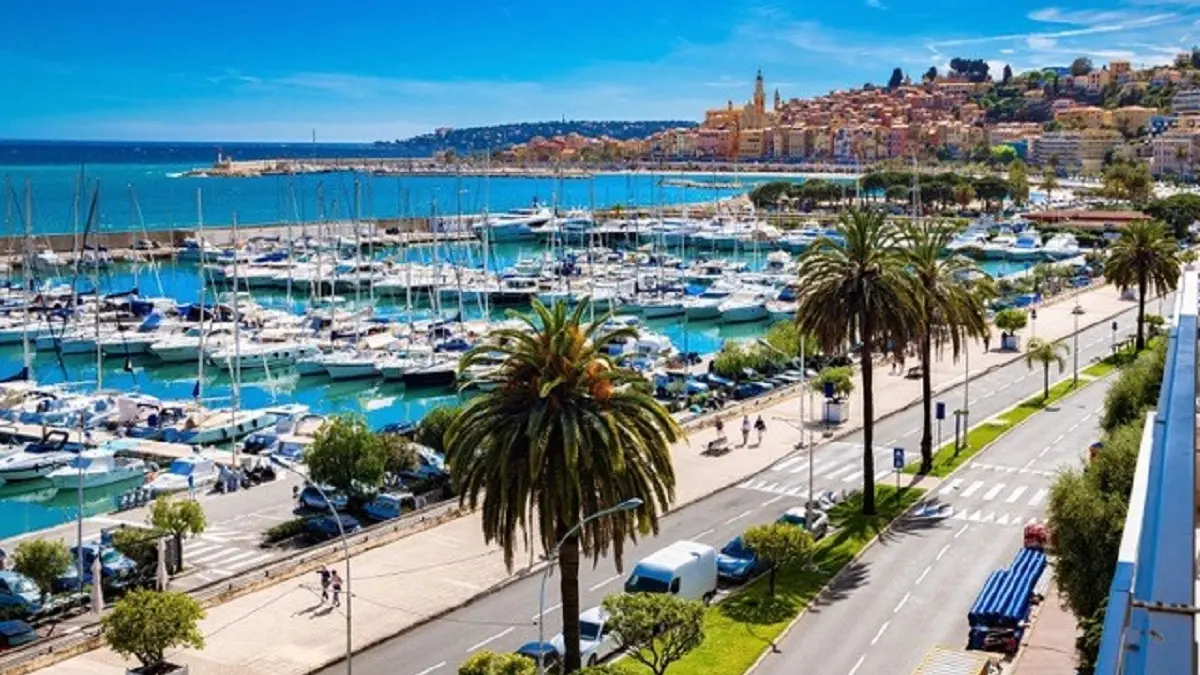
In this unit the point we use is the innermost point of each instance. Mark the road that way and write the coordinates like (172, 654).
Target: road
(229, 545)
(506, 619)
(912, 590)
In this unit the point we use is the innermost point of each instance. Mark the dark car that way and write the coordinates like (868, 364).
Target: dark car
(117, 570)
(311, 498)
(324, 528)
(543, 652)
(15, 633)
(737, 562)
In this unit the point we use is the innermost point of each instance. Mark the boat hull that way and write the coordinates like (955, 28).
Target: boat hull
(745, 314)
(351, 371)
(65, 481)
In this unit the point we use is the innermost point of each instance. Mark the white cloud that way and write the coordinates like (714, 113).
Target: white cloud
(1039, 43)
(875, 4)
(1008, 51)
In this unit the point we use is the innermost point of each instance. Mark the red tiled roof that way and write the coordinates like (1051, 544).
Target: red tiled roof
(1082, 215)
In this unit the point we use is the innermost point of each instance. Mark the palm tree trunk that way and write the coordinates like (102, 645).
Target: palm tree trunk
(1046, 381)
(568, 566)
(868, 412)
(1141, 336)
(926, 403)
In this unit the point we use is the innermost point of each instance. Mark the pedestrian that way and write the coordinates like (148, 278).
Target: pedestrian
(745, 430)
(987, 339)
(325, 577)
(336, 585)
(761, 427)
(720, 428)
(191, 487)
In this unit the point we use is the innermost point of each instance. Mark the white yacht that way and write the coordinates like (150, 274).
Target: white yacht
(263, 354)
(202, 471)
(185, 347)
(744, 306)
(658, 308)
(219, 424)
(353, 365)
(1028, 246)
(95, 468)
(781, 310)
(1062, 246)
(37, 460)
(997, 248)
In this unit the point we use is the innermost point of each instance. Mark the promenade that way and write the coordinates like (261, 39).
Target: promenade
(282, 629)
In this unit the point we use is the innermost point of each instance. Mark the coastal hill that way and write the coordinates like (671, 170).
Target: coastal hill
(499, 137)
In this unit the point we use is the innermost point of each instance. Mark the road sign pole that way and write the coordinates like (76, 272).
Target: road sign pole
(898, 464)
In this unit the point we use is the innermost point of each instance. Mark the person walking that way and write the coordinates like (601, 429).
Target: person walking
(326, 579)
(745, 430)
(761, 427)
(720, 428)
(191, 487)
(336, 585)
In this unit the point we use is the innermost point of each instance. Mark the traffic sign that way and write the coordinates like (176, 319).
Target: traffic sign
(898, 458)
(940, 411)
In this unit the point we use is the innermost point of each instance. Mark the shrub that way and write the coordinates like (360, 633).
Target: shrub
(43, 561)
(431, 430)
(842, 378)
(145, 624)
(494, 663)
(285, 530)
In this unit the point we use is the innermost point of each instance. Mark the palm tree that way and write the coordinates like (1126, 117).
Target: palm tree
(1146, 257)
(948, 310)
(1046, 353)
(1049, 182)
(858, 288)
(964, 194)
(564, 433)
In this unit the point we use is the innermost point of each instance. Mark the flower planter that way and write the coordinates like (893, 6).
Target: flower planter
(835, 412)
(160, 669)
(1010, 343)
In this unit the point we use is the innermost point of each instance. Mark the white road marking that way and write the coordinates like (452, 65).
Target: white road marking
(604, 583)
(250, 562)
(942, 552)
(552, 608)
(853, 477)
(923, 575)
(858, 664)
(973, 488)
(880, 633)
(769, 502)
(739, 516)
(495, 637)
(834, 474)
(704, 533)
(780, 466)
(212, 557)
(1028, 464)
(801, 468)
(1002, 520)
(430, 669)
(1038, 497)
(961, 531)
(883, 474)
(1059, 439)
(902, 601)
(911, 432)
(1016, 494)
(891, 442)
(951, 486)
(991, 494)
(240, 556)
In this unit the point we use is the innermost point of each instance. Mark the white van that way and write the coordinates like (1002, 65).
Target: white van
(686, 569)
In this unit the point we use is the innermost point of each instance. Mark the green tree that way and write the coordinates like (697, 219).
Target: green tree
(495, 663)
(1081, 66)
(1018, 181)
(43, 561)
(1128, 180)
(1046, 354)
(948, 311)
(841, 377)
(139, 544)
(145, 624)
(655, 629)
(431, 430)
(779, 545)
(964, 194)
(346, 455)
(1002, 155)
(857, 288)
(400, 453)
(1011, 320)
(1007, 74)
(931, 74)
(1177, 211)
(1146, 258)
(181, 518)
(896, 79)
(992, 190)
(564, 436)
(1049, 182)
(786, 337)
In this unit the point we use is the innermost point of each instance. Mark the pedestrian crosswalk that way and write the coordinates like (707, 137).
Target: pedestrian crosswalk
(224, 551)
(987, 493)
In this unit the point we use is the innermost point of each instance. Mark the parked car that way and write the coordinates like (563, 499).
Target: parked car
(818, 526)
(931, 510)
(390, 505)
(117, 570)
(686, 569)
(596, 643)
(311, 498)
(324, 528)
(15, 633)
(751, 389)
(18, 590)
(542, 652)
(736, 562)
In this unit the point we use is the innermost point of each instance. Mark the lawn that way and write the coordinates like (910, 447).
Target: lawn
(737, 630)
(946, 460)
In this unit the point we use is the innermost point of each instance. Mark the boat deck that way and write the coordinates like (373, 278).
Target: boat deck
(135, 447)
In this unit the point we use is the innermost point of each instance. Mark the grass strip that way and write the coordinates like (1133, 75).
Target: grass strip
(738, 629)
(946, 460)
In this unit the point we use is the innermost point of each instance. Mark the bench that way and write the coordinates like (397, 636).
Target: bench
(717, 447)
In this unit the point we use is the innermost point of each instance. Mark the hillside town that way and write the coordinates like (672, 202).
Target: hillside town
(1076, 118)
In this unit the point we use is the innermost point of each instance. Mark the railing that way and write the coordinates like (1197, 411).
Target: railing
(1149, 627)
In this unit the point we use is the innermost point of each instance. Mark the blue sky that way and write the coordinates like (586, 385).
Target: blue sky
(368, 69)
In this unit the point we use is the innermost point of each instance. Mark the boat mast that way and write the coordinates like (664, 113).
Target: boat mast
(96, 290)
(28, 277)
(237, 347)
(200, 270)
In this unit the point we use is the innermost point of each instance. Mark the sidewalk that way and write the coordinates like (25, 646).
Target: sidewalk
(276, 630)
(1049, 647)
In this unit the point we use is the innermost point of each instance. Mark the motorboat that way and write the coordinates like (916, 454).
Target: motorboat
(1062, 246)
(997, 248)
(351, 365)
(96, 468)
(193, 472)
(440, 371)
(263, 354)
(781, 310)
(515, 291)
(216, 425)
(659, 308)
(185, 348)
(515, 225)
(1028, 246)
(37, 460)
(744, 306)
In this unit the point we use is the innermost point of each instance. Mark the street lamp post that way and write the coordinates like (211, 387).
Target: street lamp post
(802, 425)
(1076, 313)
(627, 505)
(346, 556)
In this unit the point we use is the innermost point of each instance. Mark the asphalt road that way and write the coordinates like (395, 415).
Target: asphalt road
(229, 545)
(506, 619)
(912, 590)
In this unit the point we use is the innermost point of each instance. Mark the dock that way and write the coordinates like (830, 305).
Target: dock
(142, 448)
